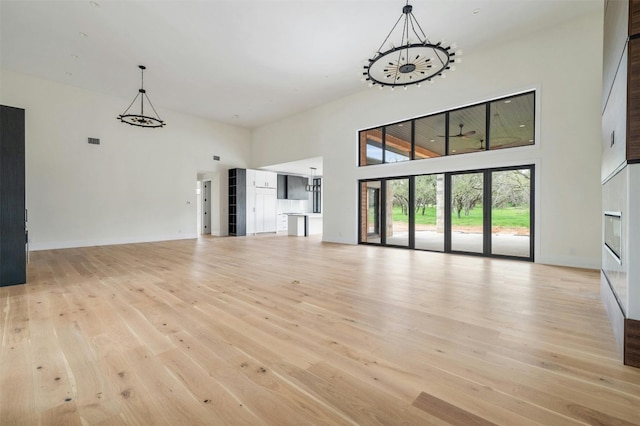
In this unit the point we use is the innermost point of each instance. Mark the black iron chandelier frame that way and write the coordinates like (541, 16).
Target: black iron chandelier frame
(141, 120)
(412, 62)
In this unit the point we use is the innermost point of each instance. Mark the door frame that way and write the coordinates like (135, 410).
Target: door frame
(204, 202)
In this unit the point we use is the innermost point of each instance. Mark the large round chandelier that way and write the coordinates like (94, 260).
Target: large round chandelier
(412, 61)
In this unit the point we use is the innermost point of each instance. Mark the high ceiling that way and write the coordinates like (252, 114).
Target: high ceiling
(246, 63)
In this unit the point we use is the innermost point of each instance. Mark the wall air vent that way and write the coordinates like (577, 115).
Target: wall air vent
(94, 141)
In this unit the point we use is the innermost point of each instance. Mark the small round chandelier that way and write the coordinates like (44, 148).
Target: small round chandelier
(410, 61)
(141, 120)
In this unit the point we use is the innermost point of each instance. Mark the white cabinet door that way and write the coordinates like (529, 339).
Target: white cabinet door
(251, 210)
(251, 178)
(270, 210)
(266, 210)
(260, 179)
(265, 179)
(282, 222)
(271, 179)
(260, 210)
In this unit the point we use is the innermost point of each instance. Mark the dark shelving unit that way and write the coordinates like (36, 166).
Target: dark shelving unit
(13, 232)
(237, 202)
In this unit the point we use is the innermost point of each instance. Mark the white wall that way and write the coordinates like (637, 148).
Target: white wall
(137, 185)
(563, 64)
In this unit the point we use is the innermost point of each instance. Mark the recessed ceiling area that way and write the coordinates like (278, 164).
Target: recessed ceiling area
(245, 63)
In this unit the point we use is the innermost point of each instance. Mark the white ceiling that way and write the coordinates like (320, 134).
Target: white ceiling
(246, 63)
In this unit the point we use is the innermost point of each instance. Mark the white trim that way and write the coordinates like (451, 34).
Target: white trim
(570, 261)
(90, 243)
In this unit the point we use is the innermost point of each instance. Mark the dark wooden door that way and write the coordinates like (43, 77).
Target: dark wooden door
(13, 268)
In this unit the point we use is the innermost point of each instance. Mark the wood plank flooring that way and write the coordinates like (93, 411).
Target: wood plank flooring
(282, 330)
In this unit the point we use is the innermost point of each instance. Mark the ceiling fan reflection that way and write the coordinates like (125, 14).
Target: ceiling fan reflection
(460, 134)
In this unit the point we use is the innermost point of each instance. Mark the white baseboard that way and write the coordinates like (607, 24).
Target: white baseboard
(337, 240)
(570, 261)
(54, 245)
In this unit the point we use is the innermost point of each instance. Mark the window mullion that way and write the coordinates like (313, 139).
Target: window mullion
(412, 208)
(447, 212)
(487, 201)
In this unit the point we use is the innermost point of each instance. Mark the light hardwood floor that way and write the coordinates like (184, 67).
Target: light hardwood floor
(288, 330)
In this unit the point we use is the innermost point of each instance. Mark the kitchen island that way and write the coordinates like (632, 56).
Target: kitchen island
(304, 224)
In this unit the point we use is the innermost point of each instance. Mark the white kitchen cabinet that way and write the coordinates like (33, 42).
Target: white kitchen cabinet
(282, 223)
(258, 207)
(304, 224)
(264, 179)
(272, 180)
(251, 209)
(251, 178)
(265, 210)
(261, 210)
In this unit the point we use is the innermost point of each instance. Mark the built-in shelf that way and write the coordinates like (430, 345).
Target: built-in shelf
(237, 202)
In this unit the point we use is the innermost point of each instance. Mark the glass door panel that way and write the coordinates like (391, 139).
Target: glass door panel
(467, 218)
(511, 212)
(370, 209)
(397, 212)
(429, 212)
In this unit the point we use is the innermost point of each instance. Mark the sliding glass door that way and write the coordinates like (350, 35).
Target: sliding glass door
(486, 212)
(511, 212)
(398, 212)
(370, 212)
(467, 212)
(429, 211)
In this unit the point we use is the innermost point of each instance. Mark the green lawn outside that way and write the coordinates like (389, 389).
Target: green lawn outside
(508, 217)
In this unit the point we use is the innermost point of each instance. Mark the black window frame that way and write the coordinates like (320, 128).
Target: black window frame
(487, 140)
(487, 211)
(316, 197)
